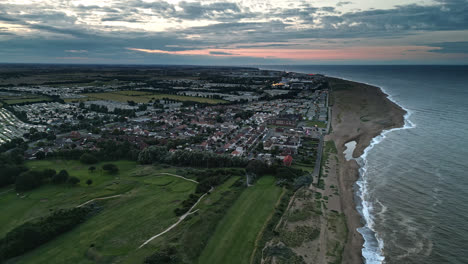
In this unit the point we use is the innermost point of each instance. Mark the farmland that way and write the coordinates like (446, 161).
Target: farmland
(142, 97)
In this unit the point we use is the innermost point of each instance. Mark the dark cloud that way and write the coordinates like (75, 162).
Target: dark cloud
(196, 10)
(328, 9)
(221, 53)
(343, 3)
(267, 45)
(162, 7)
(123, 18)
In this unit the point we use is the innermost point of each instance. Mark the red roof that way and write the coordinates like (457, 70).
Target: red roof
(287, 160)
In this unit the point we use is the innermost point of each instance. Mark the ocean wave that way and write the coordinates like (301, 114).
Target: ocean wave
(373, 243)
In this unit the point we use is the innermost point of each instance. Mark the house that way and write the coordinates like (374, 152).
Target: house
(75, 135)
(287, 161)
(236, 153)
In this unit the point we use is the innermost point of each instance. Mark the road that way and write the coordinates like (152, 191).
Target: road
(316, 171)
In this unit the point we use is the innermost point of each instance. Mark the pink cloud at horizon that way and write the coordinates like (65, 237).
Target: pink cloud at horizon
(356, 53)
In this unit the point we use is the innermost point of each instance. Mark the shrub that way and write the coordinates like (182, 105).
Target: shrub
(73, 180)
(37, 232)
(112, 168)
(87, 158)
(61, 177)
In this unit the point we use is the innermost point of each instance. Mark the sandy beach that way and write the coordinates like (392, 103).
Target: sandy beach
(360, 112)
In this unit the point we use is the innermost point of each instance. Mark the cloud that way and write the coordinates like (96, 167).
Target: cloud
(76, 51)
(221, 53)
(217, 28)
(450, 47)
(343, 3)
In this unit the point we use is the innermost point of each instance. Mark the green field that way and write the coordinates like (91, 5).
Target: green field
(144, 209)
(11, 100)
(142, 97)
(235, 235)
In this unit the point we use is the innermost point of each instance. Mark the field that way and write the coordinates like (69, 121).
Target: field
(11, 100)
(235, 235)
(142, 97)
(144, 208)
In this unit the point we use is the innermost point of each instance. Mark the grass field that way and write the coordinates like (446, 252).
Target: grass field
(144, 209)
(142, 97)
(234, 237)
(23, 99)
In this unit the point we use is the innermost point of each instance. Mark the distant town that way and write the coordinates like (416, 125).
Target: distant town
(251, 113)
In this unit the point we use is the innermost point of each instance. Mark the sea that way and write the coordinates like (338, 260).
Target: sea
(413, 188)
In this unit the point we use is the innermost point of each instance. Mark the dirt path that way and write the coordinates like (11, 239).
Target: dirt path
(189, 212)
(102, 198)
(178, 176)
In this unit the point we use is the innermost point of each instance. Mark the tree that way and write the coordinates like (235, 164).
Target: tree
(256, 167)
(51, 136)
(48, 173)
(87, 158)
(112, 168)
(89, 182)
(28, 180)
(275, 151)
(152, 154)
(92, 169)
(61, 177)
(73, 180)
(40, 155)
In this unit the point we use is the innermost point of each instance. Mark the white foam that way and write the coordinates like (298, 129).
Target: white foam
(348, 152)
(373, 243)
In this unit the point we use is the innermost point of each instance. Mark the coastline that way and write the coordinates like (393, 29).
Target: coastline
(361, 113)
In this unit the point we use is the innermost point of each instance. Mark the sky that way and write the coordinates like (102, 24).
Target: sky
(234, 32)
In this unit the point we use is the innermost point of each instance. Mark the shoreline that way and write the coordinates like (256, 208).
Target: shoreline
(363, 113)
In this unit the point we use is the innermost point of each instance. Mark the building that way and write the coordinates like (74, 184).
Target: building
(287, 161)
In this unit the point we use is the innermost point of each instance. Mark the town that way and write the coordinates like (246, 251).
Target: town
(272, 116)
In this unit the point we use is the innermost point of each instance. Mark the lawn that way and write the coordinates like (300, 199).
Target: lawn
(234, 237)
(143, 97)
(144, 209)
